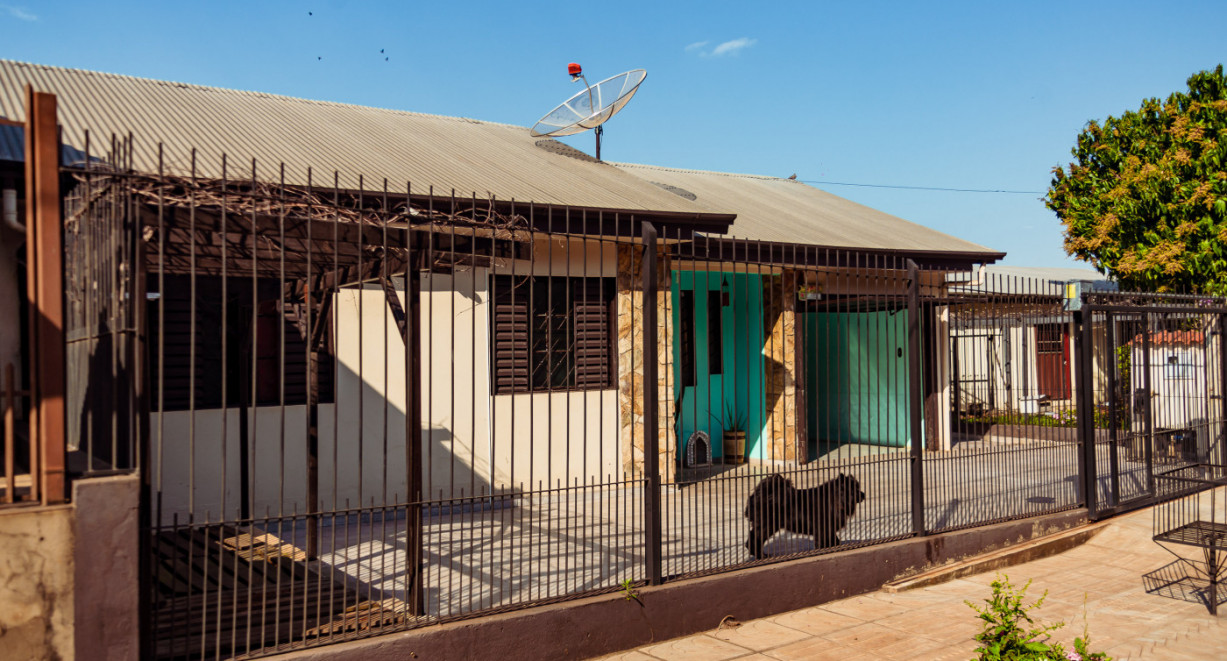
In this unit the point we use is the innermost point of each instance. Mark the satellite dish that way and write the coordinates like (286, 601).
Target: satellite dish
(590, 108)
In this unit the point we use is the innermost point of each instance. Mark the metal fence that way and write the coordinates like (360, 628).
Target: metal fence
(363, 408)
(20, 482)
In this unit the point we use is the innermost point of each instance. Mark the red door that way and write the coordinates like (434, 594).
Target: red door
(1052, 360)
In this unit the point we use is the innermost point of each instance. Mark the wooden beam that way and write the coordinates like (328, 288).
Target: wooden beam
(398, 312)
(45, 275)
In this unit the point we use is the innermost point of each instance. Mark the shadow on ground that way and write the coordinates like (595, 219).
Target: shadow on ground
(1186, 580)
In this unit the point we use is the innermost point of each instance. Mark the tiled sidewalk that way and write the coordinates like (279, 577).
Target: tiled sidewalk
(1103, 578)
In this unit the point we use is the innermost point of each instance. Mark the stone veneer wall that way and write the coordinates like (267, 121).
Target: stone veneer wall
(780, 356)
(630, 363)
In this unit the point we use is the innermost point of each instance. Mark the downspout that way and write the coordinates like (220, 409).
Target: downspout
(8, 202)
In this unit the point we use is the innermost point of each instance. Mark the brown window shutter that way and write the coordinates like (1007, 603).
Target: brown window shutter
(590, 311)
(511, 347)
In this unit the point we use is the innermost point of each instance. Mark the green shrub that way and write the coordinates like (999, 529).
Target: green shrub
(1009, 633)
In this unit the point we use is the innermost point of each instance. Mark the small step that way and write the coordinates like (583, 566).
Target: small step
(1017, 554)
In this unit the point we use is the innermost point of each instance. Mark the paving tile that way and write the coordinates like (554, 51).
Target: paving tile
(941, 625)
(816, 649)
(868, 636)
(960, 652)
(696, 648)
(866, 608)
(1097, 586)
(760, 635)
(633, 655)
(911, 647)
(815, 621)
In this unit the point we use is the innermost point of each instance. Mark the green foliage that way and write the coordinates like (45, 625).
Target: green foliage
(731, 420)
(1062, 418)
(1145, 200)
(1009, 633)
(734, 421)
(628, 591)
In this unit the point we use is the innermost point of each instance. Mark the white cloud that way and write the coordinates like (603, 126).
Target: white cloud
(20, 12)
(733, 47)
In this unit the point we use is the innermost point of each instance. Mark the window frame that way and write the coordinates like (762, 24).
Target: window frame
(549, 305)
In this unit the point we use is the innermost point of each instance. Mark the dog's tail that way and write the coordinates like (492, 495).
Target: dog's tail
(770, 490)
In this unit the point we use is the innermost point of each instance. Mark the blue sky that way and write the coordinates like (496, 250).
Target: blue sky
(976, 95)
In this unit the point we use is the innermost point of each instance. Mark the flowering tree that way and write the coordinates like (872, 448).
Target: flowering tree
(1145, 200)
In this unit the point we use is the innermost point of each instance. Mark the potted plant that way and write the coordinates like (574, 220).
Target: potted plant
(734, 438)
(808, 293)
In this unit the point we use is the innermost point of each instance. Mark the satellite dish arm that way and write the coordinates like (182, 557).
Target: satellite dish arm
(592, 108)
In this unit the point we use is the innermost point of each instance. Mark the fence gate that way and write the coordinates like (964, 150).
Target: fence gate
(1153, 381)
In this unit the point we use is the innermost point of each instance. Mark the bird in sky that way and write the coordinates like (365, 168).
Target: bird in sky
(794, 176)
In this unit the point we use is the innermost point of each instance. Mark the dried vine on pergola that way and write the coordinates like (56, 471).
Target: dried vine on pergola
(260, 198)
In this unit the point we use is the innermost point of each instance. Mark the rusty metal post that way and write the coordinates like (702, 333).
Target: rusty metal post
(1084, 402)
(44, 266)
(915, 398)
(9, 438)
(413, 427)
(651, 425)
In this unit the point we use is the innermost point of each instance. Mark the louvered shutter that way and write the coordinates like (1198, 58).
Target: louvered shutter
(591, 320)
(511, 342)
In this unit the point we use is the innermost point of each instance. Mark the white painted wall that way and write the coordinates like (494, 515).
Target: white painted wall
(561, 436)
(1178, 372)
(545, 437)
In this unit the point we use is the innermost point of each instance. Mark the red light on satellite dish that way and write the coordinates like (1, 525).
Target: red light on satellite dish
(574, 69)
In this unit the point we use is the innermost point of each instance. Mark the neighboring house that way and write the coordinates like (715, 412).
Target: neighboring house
(1175, 367)
(821, 319)
(1018, 359)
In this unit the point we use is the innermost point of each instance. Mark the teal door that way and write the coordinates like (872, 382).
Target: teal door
(857, 379)
(717, 357)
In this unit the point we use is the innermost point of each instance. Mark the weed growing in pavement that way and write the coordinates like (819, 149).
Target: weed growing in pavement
(1010, 633)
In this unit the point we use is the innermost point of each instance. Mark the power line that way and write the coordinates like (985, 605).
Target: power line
(933, 188)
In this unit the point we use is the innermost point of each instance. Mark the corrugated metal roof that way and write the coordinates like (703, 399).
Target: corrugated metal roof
(1056, 274)
(1031, 281)
(472, 157)
(788, 211)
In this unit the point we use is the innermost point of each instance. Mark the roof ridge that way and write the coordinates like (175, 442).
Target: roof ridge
(255, 93)
(765, 177)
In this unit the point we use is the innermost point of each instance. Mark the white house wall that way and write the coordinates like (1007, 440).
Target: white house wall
(534, 437)
(560, 436)
(456, 379)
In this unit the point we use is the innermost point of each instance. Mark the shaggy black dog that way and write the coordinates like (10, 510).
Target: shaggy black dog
(821, 511)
